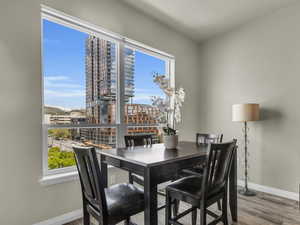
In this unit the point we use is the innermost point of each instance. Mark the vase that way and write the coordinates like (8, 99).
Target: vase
(171, 141)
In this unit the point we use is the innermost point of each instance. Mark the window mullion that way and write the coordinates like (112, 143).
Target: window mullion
(121, 126)
(170, 71)
(45, 149)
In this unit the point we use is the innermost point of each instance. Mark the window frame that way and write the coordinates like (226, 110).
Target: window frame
(120, 41)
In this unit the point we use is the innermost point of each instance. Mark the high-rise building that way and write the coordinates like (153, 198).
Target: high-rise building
(129, 73)
(101, 92)
(101, 89)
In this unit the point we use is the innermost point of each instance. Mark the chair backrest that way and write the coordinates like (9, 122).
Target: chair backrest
(138, 140)
(90, 178)
(202, 138)
(219, 162)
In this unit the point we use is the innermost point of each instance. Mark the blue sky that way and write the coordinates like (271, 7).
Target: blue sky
(64, 69)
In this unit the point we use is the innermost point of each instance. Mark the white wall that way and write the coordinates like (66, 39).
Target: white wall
(259, 62)
(23, 200)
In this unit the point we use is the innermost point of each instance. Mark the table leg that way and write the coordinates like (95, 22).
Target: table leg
(103, 168)
(150, 193)
(233, 189)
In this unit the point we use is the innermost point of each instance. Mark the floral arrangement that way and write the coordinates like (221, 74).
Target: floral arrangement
(169, 107)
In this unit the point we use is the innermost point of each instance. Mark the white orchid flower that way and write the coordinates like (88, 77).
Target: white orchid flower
(163, 105)
(181, 94)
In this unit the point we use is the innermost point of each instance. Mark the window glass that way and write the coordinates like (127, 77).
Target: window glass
(139, 90)
(80, 74)
(79, 77)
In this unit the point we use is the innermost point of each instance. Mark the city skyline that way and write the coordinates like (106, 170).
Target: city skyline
(64, 69)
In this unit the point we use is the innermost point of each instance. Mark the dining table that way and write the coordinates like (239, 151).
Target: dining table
(158, 165)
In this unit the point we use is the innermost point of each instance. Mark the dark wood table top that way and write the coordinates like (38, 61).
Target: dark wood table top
(157, 154)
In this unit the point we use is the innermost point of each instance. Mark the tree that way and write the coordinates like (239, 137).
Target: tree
(59, 133)
(60, 159)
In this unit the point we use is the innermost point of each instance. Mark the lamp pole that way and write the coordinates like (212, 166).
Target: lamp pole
(245, 191)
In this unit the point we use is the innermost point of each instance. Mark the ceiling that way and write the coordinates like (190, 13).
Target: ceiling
(201, 19)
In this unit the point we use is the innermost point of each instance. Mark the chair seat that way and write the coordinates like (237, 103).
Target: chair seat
(197, 171)
(188, 189)
(123, 201)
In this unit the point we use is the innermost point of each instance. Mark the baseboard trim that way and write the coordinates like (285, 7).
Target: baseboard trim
(271, 190)
(62, 219)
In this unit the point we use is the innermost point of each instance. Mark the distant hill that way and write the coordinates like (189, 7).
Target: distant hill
(61, 111)
(78, 110)
(55, 111)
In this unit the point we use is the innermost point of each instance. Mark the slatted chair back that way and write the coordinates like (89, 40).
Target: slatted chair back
(218, 166)
(91, 181)
(138, 140)
(202, 138)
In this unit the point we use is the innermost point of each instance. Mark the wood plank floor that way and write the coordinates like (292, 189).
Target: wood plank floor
(263, 209)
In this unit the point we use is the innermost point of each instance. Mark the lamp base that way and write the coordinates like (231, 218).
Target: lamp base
(247, 192)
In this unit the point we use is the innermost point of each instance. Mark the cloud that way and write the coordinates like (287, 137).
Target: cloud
(62, 85)
(55, 78)
(64, 94)
(142, 97)
(56, 82)
(148, 94)
(147, 90)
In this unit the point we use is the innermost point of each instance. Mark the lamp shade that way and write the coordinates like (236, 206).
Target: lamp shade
(245, 112)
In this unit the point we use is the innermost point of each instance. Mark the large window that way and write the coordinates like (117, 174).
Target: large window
(97, 88)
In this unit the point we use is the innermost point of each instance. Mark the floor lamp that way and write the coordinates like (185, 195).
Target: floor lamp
(245, 113)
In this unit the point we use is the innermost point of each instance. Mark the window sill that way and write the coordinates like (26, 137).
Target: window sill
(60, 178)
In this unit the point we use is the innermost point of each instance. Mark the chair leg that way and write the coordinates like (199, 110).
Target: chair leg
(86, 219)
(224, 210)
(86, 216)
(168, 209)
(176, 207)
(127, 221)
(130, 179)
(202, 216)
(194, 217)
(219, 205)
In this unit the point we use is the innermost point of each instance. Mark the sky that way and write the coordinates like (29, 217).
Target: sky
(64, 69)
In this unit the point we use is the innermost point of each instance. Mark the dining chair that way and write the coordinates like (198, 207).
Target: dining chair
(208, 138)
(108, 206)
(137, 140)
(203, 191)
(202, 138)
